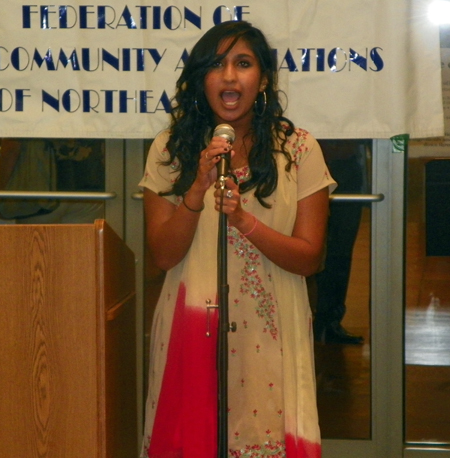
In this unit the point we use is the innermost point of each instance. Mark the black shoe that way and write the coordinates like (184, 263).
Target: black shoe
(338, 335)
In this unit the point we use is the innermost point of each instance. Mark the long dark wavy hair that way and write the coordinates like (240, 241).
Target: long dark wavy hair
(193, 120)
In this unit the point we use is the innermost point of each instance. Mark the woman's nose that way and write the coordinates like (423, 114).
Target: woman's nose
(229, 72)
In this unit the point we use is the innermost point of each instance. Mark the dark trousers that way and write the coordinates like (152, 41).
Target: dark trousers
(343, 224)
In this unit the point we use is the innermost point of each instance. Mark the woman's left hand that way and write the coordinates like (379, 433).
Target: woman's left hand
(230, 204)
(228, 200)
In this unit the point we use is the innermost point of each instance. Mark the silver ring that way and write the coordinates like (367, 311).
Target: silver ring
(229, 194)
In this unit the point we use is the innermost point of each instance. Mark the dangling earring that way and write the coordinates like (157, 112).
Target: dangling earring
(197, 108)
(263, 110)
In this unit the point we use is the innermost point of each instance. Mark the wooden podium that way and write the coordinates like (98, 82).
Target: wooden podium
(67, 343)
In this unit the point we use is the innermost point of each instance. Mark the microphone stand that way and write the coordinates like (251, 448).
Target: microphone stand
(224, 328)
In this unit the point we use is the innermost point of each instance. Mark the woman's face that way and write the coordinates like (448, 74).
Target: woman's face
(232, 85)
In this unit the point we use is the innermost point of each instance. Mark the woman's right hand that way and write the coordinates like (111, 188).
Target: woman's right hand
(209, 157)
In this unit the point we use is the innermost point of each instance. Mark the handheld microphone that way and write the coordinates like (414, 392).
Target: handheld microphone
(227, 132)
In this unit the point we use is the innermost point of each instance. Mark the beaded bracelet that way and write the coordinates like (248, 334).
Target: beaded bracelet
(253, 228)
(191, 209)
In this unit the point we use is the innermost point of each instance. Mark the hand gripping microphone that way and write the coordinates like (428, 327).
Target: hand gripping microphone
(227, 132)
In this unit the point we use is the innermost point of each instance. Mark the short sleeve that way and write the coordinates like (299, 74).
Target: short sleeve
(157, 176)
(312, 171)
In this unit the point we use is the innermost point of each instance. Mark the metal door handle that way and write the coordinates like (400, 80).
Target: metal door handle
(56, 195)
(357, 197)
(137, 195)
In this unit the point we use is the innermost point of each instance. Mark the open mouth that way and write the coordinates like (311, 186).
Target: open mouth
(230, 98)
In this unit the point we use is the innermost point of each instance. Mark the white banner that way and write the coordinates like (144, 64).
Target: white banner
(107, 69)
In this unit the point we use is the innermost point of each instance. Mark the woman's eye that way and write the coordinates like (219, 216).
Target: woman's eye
(244, 63)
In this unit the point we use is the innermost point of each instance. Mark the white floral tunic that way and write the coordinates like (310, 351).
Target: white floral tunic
(271, 383)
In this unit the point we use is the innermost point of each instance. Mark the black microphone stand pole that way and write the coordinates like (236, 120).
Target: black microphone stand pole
(224, 328)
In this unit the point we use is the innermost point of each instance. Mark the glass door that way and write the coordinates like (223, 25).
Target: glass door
(427, 305)
(52, 181)
(427, 311)
(340, 296)
(409, 301)
(361, 405)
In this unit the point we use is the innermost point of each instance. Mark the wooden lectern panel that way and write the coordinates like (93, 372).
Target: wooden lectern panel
(67, 343)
